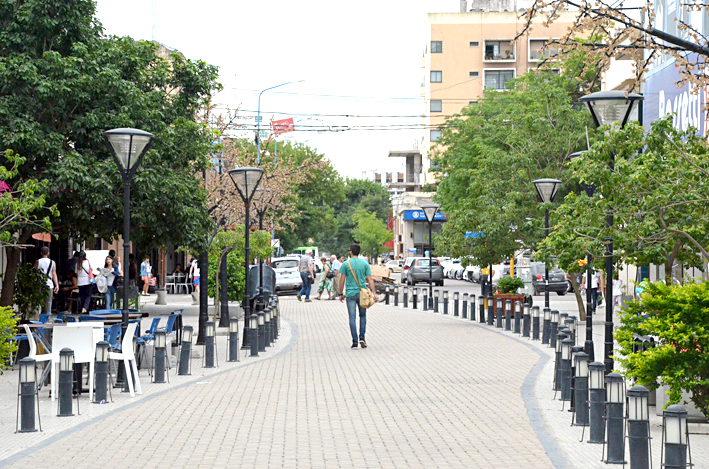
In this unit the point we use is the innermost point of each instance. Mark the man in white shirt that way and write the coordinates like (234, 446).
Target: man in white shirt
(49, 268)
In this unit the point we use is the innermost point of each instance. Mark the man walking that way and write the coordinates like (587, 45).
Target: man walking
(353, 273)
(49, 268)
(335, 269)
(305, 267)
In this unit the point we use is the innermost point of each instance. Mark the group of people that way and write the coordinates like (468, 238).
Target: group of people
(598, 286)
(342, 279)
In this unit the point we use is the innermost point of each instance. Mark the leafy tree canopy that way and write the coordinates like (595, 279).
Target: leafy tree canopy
(371, 233)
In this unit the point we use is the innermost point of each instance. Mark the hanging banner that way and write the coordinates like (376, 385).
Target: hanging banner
(283, 126)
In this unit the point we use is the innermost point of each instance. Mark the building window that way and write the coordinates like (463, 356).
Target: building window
(497, 79)
(435, 134)
(474, 44)
(399, 177)
(473, 74)
(436, 47)
(537, 50)
(436, 105)
(377, 177)
(499, 50)
(436, 76)
(388, 176)
(472, 102)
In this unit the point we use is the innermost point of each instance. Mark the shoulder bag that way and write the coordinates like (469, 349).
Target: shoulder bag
(366, 299)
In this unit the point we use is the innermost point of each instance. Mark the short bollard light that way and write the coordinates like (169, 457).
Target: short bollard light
(456, 304)
(562, 319)
(565, 373)
(518, 317)
(498, 313)
(101, 370)
(615, 398)
(66, 382)
(570, 322)
(508, 315)
(472, 307)
(267, 327)
(386, 295)
(464, 310)
(535, 322)
(186, 351)
(490, 310)
(546, 326)
(436, 299)
(233, 339)
(553, 327)
(675, 438)
(526, 320)
(481, 308)
(406, 297)
(638, 411)
(261, 331)
(26, 395)
(396, 295)
(160, 344)
(275, 321)
(557, 361)
(415, 297)
(575, 349)
(445, 301)
(597, 402)
(581, 389)
(209, 344)
(425, 299)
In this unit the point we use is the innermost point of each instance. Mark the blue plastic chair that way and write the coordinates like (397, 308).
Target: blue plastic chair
(114, 335)
(103, 312)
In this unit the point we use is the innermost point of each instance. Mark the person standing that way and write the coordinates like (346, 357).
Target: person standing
(353, 273)
(335, 266)
(115, 272)
(305, 267)
(145, 273)
(84, 276)
(595, 283)
(194, 273)
(617, 290)
(49, 268)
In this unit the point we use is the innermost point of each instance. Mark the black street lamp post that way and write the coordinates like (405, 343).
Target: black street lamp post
(262, 197)
(128, 147)
(547, 190)
(246, 181)
(611, 107)
(430, 211)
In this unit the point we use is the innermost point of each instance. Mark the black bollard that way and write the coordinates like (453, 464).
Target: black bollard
(526, 321)
(597, 402)
(261, 331)
(581, 390)
(565, 373)
(406, 297)
(498, 312)
(445, 302)
(675, 437)
(253, 340)
(518, 317)
(425, 299)
(185, 351)
(436, 296)
(638, 412)
(414, 296)
(101, 372)
(546, 326)
(472, 308)
(553, 328)
(233, 339)
(575, 349)
(26, 396)
(464, 310)
(456, 304)
(481, 308)
(490, 310)
(386, 295)
(267, 327)
(557, 361)
(65, 382)
(535, 322)
(396, 295)
(508, 315)
(615, 397)
(159, 356)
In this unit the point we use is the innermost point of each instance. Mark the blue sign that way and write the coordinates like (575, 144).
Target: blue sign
(418, 215)
(663, 97)
(477, 234)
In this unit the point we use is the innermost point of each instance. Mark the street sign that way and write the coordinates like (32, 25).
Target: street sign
(275, 243)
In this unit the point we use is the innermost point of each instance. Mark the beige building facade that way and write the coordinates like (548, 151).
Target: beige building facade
(473, 50)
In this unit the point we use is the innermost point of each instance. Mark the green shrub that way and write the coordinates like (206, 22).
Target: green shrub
(8, 329)
(679, 316)
(30, 291)
(509, 284)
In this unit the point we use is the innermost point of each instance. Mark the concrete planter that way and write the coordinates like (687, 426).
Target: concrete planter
(195, 298)
(162, 296)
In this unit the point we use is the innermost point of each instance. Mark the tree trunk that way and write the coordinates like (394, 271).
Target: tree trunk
(13, 263)
(670, 262)
(579, 298)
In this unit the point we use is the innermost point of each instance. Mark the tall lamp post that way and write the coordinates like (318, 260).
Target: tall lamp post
(258, 117)
(128, 146)
(262, 197)
(547, 190)
(430, 211)
(246, 180)
(611, 107)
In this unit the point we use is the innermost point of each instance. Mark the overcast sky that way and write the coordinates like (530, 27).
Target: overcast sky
(357, 59)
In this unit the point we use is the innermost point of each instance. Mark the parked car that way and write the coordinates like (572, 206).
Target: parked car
(417, 269)
(394, 266)
(557, 279)
(456, 271)
(449, 267)
(287, 275)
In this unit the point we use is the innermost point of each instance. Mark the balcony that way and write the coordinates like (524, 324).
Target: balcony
(539, 50)
(499, 51)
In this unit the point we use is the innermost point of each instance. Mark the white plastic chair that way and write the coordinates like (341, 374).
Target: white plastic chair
(128, 356)
(170, 284)
(82, 340)
(39, 357)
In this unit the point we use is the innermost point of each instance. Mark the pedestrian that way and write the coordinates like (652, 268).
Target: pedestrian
(49, 268)
(132, 271)
(335, 266)
(84, 277)
(353, 273)
(617, 290)
(195, 273)
(305, 267)
(595, 283)
(146, 272)
(326, 281)
(114, 272)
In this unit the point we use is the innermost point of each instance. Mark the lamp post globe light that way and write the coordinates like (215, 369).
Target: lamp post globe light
(430, 211)
(546, 190)
(611, 107)
(246, 181)
(128, 147)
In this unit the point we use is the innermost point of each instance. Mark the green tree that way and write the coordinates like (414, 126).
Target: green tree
(488, 158)
(62, 83)
(371, 233)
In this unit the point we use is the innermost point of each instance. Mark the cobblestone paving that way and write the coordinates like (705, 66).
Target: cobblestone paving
(429, 391)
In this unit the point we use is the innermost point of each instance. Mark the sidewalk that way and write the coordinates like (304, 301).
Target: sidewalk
(429, 390)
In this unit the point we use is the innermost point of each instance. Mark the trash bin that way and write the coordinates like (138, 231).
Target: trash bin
(259, 300)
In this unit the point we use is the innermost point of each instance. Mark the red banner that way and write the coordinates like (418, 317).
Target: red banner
(283, 126)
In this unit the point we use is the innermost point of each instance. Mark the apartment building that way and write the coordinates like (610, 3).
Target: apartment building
(475, 49)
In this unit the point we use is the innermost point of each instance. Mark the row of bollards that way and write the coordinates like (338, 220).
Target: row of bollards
(597, 401)
(264, 328)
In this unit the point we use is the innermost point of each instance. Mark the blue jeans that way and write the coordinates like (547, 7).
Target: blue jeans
(109, 297)
(352, 306)
(305, 290)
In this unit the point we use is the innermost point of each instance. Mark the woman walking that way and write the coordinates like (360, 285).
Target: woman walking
(84, 275)
(326, 281)
(145, 274)
(110, 281)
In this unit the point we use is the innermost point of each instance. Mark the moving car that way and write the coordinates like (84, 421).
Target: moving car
(394, 266)
(287, 275)
(472, 273)
(557, 279)
(417, 269)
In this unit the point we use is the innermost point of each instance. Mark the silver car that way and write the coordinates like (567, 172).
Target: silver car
(418, 269)
(287, 275)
